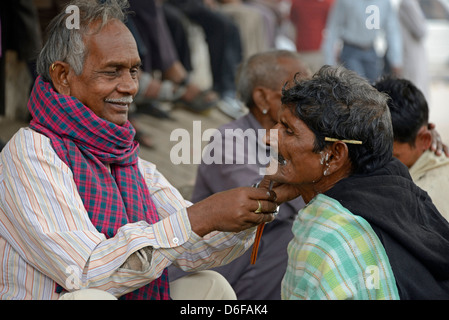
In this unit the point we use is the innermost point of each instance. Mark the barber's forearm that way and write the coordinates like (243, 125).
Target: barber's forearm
(199, 222)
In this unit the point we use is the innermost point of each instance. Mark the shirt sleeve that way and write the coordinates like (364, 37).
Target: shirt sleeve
(43, 218)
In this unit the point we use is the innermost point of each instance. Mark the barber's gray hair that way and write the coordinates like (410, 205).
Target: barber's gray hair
(263, 69)
(64, 44)
(339, 104)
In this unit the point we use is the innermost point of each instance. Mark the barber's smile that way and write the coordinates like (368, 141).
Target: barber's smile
(120, 103)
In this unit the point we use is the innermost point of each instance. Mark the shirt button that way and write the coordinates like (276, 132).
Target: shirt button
(175, 240)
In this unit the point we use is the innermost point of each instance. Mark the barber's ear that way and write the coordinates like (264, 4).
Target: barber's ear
(59, 72)
(338, 157)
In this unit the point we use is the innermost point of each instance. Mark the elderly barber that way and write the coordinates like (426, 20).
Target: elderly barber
(367, 231)
(78, 208)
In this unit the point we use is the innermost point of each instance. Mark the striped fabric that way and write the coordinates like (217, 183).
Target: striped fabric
(103, 159)
(336, 255)
(46, 236)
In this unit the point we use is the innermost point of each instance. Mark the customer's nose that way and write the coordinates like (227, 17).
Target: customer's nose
(271, 137)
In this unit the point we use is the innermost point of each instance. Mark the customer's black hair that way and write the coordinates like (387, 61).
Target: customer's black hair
(337, 103)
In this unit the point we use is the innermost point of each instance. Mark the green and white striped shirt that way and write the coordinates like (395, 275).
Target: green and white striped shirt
(336, 255)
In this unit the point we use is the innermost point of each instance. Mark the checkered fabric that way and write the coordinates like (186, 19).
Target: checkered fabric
(336, 255)
(103, 158)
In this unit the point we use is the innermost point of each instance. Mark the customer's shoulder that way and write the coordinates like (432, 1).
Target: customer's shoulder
(333, 222)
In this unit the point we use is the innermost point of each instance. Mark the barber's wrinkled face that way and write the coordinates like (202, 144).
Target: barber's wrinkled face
(297, 162)
(109, 81)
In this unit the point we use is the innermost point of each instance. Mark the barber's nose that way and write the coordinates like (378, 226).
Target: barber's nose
(128, 84)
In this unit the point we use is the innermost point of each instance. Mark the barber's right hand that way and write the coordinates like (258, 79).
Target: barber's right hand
(232, 210)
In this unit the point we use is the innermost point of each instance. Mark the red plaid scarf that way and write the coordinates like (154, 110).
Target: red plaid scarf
(87, 144)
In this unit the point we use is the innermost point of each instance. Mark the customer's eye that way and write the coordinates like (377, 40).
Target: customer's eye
(288, 131)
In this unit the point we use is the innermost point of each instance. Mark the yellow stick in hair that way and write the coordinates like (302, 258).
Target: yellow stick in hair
(342, 140)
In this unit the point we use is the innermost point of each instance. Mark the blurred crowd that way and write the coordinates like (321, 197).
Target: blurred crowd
(373, 42)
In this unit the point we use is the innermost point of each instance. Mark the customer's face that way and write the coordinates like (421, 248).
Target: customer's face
(298, 163)
(110, 73)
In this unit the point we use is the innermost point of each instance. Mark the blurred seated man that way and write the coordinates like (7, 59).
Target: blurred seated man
(412, 140)
(79, 210)
(158, 51)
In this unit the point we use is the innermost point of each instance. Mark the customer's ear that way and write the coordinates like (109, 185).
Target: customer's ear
(59, 76)
(338, 159)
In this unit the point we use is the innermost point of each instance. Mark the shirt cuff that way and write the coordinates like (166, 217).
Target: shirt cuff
(174, 230)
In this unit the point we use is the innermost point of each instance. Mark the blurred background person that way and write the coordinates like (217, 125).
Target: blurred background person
(158, 52)
(225, 49)
(20, 32)
(250, 21)
(358, 26)
(412, 140)
(414, 31)
(309, 18)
